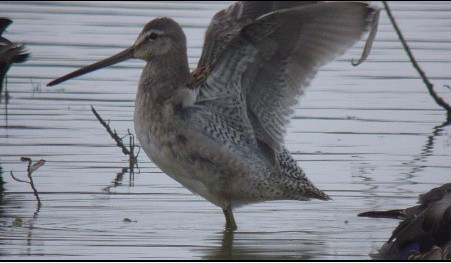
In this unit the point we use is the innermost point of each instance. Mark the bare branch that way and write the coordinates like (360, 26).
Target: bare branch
(119, 141)
(17, 179)
(30, 169)
(111, 133)
(429, 85)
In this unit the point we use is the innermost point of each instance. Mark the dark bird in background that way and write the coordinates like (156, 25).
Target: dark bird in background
(424, 233)
(9, 52)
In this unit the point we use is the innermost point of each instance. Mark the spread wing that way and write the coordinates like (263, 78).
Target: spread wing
(255, 80)
(227, 23)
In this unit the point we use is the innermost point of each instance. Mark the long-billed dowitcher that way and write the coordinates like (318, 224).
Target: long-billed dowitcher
(219, 129)
(9, 52)
(424, 233)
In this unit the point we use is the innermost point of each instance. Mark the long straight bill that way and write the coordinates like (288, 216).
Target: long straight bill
(124, 55)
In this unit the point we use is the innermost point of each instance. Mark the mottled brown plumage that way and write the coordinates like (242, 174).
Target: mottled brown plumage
(219, 130)
(425, 230)
(9, 52)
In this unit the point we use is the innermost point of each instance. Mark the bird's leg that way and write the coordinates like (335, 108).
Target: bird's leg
(230, 220)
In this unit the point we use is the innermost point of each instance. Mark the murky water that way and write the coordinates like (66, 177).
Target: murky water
(370, 136)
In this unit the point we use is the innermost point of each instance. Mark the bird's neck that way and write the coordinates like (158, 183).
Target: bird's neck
(162, 89)
(163, 76)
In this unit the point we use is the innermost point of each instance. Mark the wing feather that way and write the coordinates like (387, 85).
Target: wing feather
(268, 61)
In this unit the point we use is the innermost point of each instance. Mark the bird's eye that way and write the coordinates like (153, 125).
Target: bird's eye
(153, 36)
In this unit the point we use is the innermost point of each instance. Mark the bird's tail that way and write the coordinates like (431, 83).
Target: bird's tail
(296, 180)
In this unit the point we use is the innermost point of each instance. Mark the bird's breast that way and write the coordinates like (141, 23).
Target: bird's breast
(167, 143)
(176, 141)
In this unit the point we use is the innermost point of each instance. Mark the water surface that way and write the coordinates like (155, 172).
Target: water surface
(369, 136)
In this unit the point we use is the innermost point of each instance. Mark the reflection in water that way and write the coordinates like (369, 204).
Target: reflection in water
(256, 246)
(364, 169)
(119, 177)
(78, 220)
(14, 223)
(426, 151)
(226, 251)
(5, 217)
(30, 230)
(1, 185)
(6, 103)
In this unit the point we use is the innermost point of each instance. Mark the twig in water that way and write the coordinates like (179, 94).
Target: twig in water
(133, 160)
(30, 169)
(119, 141)
(429, 85)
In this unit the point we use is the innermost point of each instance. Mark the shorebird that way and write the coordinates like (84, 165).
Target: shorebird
(219, 130)
(424, 233)
(9, 52)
